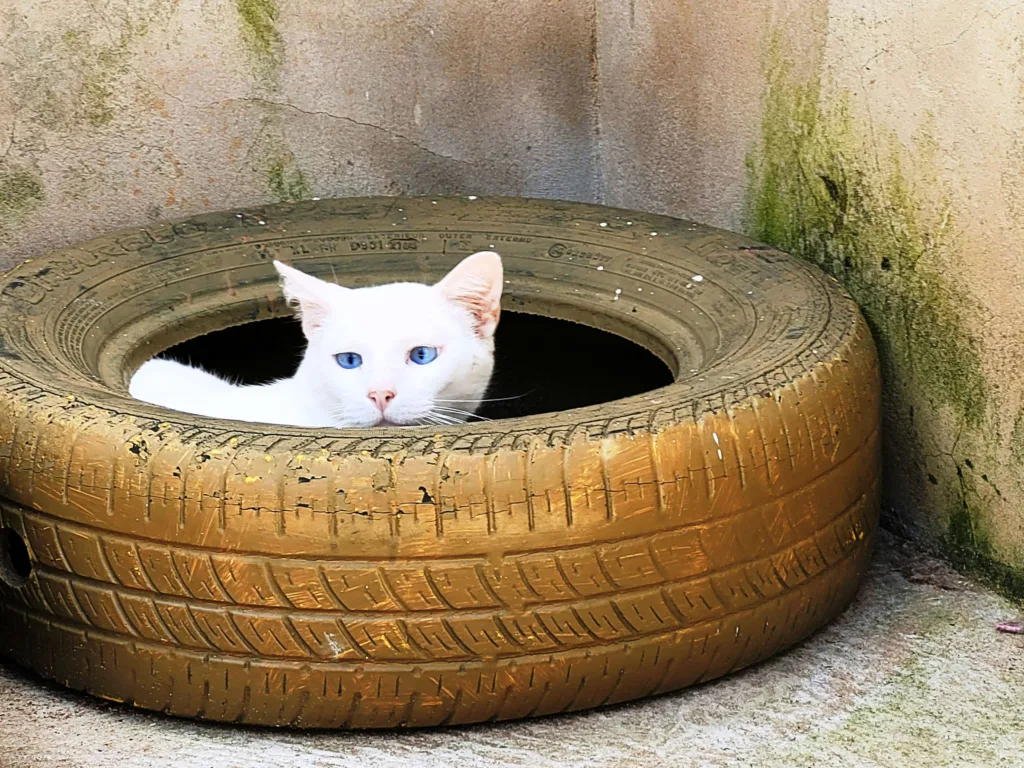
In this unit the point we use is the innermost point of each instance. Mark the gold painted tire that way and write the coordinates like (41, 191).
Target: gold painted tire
(415, 576)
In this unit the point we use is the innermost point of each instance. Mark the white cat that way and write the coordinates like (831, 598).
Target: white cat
(397, 354)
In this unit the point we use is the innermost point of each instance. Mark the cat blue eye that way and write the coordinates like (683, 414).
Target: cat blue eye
(423, 355)
(349, 359)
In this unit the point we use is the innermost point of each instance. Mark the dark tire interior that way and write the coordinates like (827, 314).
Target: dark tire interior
(542, 364)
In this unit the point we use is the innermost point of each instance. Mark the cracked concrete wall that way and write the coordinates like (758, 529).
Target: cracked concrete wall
(883, 140)
(117, 113)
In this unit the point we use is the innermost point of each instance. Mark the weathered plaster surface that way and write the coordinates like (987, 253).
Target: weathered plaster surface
(122, 112)
(883, 140)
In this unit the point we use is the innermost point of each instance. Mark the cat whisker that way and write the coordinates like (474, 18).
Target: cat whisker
(446, 419)
(488, 399)
(446, 415)
(459, 412)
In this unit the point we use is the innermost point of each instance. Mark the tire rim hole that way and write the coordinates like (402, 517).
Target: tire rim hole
(15, 562)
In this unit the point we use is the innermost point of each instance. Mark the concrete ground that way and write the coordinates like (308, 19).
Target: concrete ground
(913, 674)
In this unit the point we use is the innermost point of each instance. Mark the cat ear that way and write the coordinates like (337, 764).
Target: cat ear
(476, 284)
(312, 296)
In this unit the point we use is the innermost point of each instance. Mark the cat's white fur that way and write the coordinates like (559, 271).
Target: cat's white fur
(382, 324)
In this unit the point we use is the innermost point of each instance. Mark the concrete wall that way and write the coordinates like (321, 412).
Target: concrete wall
(883, 140)
(118, 112)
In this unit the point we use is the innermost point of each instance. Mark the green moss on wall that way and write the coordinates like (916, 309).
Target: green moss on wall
(830, 188)
(96, 107)
(21, 192)
(968, 548)
(963, 534)
(286, 180)
(76, 73)
(95, 68)
(824, 189)
(967, 543)
(258, 20)
(1017, 438)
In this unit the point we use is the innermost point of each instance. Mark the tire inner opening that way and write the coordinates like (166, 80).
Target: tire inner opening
(542, 364)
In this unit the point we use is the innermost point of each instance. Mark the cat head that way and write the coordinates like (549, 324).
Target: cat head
(402, 353)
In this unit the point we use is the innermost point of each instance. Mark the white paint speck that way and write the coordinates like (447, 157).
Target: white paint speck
(433, 202)
(720, 453)
(332, 643)
(715, 436)
(471, 197)
(654, 234)
(697, 278)
(629, 223)
(603, 224)
(316, 198)
(618, 291)
(261, 221)
(600, 269)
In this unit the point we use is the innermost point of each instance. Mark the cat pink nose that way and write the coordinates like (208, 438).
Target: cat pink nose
(381, 397)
